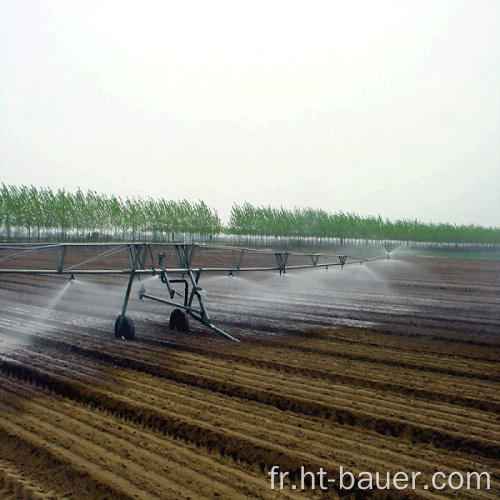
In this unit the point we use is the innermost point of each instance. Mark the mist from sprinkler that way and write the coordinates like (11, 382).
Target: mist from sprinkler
(58, 297)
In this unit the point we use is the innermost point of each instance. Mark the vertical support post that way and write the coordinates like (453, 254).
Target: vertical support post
(164, 279)
(127, 294)
(146, 249)
(137, 262)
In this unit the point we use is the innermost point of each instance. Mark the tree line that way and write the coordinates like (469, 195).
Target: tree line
(314, 223)
(43, 214)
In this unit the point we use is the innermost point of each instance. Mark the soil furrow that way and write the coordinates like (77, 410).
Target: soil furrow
(489, 402)
(384, 426)
(427, 413)
(43, 462)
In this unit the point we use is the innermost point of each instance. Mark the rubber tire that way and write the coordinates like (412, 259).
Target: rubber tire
(179, 321)
(127, 330)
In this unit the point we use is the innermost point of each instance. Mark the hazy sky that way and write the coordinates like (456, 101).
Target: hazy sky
(373, 107)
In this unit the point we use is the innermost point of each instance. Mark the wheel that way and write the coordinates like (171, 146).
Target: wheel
(124, 328)
(179, 321)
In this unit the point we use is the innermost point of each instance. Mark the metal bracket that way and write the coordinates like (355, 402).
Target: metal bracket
(282, 257)
(237, 260)
(314, 259)
(60, 257)
(138, 255)
(185, 254)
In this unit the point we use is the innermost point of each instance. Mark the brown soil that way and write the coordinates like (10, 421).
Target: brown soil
(384, 370)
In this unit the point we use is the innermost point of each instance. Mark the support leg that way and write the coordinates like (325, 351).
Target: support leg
(204, 317)
(124, 327)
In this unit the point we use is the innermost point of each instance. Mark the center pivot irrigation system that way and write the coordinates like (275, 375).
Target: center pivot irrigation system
(175, 264)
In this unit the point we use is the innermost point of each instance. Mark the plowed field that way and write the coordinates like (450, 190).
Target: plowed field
(388, 367)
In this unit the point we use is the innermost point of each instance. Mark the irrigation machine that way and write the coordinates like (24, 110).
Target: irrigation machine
(178, 265)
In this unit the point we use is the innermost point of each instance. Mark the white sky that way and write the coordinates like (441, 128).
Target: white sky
(373, 107)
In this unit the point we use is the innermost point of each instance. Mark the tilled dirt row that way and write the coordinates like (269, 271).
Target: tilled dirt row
(254, 432)
(317, 363)
(193, 400)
